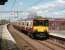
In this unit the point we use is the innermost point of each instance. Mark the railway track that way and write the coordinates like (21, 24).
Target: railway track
(21, 42)
(55, 43)
(51, 45)
(26, 43)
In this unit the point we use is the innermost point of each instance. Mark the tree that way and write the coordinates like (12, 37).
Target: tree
(3, 21)
(2, 2)
(38, 17)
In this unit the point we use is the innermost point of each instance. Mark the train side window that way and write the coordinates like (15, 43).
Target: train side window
(30, 23)
(27, 23)
(22, 23)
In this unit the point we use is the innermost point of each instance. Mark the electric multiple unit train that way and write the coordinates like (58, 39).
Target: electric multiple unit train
(35, 28)
(40, 28)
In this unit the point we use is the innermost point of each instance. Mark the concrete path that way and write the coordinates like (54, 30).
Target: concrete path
(8, 43)
(1, 35)
(59, 34)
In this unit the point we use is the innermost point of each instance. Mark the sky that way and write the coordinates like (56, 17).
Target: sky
(45, 8)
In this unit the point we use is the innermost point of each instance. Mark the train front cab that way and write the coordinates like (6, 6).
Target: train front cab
(40, 29)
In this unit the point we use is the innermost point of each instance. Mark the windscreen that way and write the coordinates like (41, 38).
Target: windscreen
(40, 23)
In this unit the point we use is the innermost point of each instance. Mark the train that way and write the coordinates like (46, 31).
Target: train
(42, 28)
(35, 28)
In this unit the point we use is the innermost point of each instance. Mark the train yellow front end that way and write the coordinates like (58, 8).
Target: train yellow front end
(40, 28)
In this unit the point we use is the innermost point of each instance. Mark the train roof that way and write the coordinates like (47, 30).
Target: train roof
(50, 19)
(35, 19)
(41, 19)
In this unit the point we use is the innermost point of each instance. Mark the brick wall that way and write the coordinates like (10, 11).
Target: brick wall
(56, 25)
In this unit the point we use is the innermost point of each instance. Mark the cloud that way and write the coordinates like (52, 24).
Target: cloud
(55, 9)
(61, 1)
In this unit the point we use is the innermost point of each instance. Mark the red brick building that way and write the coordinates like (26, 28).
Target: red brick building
(56, 24)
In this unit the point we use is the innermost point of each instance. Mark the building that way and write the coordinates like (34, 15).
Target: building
(56, 24)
